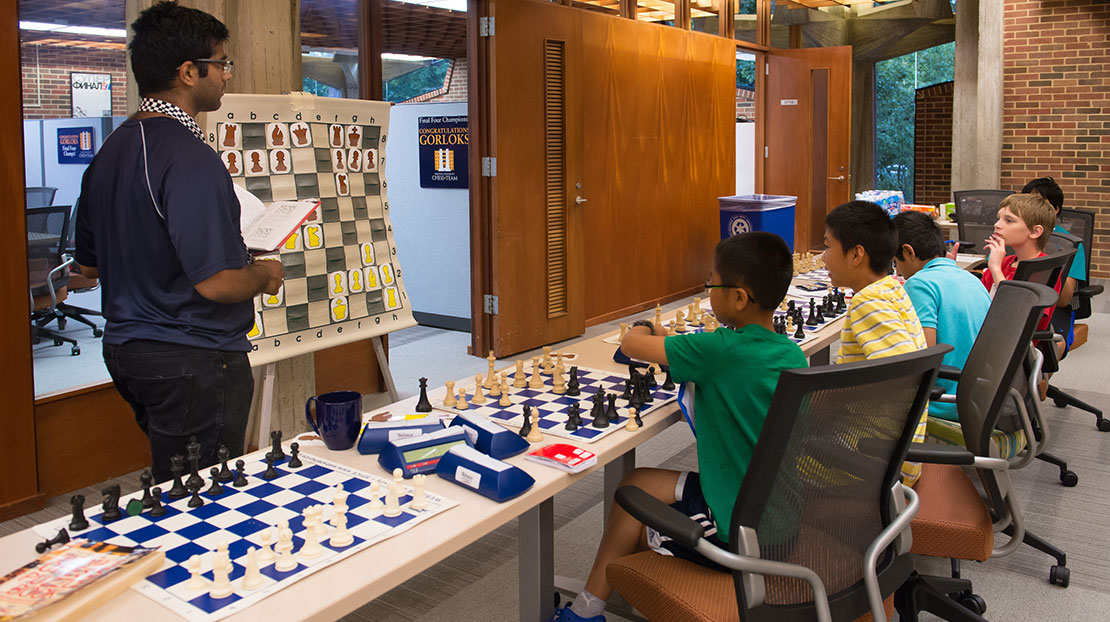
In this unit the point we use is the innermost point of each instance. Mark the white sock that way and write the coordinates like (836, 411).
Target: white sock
(587, 605)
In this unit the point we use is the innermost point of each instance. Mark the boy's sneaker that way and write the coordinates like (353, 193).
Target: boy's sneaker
(564, 614)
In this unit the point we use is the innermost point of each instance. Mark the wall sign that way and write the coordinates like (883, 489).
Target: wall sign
(75, 145)
(444, 143)
(90, 94)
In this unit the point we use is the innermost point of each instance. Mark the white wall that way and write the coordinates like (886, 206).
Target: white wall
(745, 158)
(40, 153)
(430, 225)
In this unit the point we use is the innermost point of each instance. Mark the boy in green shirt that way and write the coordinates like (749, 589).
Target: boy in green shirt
(734, 371)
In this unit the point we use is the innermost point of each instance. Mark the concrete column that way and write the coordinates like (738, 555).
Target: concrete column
(863, 126)
(977, 99)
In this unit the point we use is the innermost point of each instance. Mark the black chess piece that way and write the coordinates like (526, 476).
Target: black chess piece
(573, 388)
(830, 306)
(294, 456)
(812, 320)
(275, 446)
(195, 501)
(627, 395)
(225, 473)
(526, 427)
(423, 405)
(111, 503)
(192, 453)
(216, 489)
(841, 307)
(636, 416)
(240, 475)
(157, 509)
(145, 478)
(78, 521)
(61, 538)
(820, 314)
(799, 332)
(572, 418)
(597, 411)
(646, 397)
(270, 472)
(668, 382)
(611, 412)
(652, 382)
(177, 467)
(789, 307)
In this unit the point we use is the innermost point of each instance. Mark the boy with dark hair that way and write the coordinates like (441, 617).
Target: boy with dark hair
(1063, 318)
(734, 370)
(860, 243)
(950, 302)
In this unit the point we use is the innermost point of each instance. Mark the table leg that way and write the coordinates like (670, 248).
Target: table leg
(537, 562)
(820, 357)
(614, 473)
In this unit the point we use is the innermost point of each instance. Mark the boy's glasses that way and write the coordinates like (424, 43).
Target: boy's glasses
(224, 64)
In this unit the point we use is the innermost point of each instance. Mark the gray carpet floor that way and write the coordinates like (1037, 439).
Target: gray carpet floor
(479, 582)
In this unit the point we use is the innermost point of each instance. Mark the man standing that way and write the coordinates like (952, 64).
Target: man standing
(158, 223)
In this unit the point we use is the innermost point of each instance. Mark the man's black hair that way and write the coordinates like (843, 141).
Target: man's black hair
(758, 260)
(862, 223)
(921, 233)
(1047, 188)
(165, 36)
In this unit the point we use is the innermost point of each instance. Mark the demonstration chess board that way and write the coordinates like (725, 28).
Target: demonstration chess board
(238, 517)
(552, 407)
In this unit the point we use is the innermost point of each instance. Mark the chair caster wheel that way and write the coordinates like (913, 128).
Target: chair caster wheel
(1059, 403)
(1059, 575)
(58, 342)
(74, 351)
(973, 603)
(1103, 425)
(1069, 478)
(97, 332)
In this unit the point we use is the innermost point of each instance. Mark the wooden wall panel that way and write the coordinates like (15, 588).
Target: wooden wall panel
(659, 149)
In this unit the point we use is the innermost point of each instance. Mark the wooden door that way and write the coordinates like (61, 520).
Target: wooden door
(808, 130)
(526, 221)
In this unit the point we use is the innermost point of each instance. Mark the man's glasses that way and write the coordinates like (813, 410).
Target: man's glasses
(224, 64)
(711, 286)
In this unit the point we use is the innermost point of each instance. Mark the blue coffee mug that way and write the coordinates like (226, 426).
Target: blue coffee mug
(338, 418)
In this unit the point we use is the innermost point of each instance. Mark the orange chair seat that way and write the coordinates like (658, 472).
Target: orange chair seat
(953, 521)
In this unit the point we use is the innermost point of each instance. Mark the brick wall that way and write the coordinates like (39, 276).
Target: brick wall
(745, 105)
(932, 144)
(46, 77)
(454, 86)
(1056, 105)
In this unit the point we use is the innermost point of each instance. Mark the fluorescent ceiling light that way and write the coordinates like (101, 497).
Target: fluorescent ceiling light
(74, 30)
(408, 57)
(454, 5)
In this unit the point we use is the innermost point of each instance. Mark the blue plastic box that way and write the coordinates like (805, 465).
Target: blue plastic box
(758, 212)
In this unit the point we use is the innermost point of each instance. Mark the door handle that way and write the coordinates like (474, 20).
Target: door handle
(579, 200)
(837, 178)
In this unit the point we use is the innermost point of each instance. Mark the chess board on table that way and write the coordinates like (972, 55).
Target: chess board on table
(552, 407)
(238, 517)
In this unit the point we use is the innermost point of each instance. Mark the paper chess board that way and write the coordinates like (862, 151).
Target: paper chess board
(552, 407)
(238, 517)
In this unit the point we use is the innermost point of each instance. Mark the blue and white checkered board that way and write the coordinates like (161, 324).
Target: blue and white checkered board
(238, 517)
(552, 407)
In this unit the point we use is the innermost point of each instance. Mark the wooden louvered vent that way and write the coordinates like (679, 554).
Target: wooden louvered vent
(555, 190)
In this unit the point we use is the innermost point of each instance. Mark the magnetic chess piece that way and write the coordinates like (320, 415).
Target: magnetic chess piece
(392, 501)
(232, 167)
(423, 405)
(631, 424)
(195, 501)
(536, 434)
(222, 455)
(284, 548)
(526, 425)
(157, 509)
(78, 521)
(624, 329)
(375, 496)
(611, 412)
(505, 400)
(342, 179)
(240, 474)
(252, 576)
(479, 397)
(558, 384)
(280, 167)
(277, 136)
(461, 402)
(146, 479)
(216, 489)
(668, 382)
(491, 376)
(573, 388)
(535, 382)
(275, 446)
(270, 472)
(265, 555)
(679, 322)
(111, 503)
(449, 401)
(60, 538)
(294, 456)
(419, 496)
(519, 380)
(221, 573)
(311, 547)
(799, 332)
(177, 467)
(229, 135)
(196, 582)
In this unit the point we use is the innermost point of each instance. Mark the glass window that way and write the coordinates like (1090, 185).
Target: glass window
(745, 23)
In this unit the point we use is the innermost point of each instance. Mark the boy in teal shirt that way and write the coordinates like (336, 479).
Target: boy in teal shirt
(734, 371)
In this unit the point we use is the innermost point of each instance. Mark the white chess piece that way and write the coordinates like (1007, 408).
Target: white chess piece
(252, 578)
(221, 572)
(505, 399)
(265, 555)
(535, 435)
(392, 501)
(321, 527)
(631, 426)
(449, 399)
(518, 377)
(461, 402)
(196, 582)
(479, 397)
(535, 382)
(375, 496)
(311, 547)
(490, 380)
(340, 537)
(284, 547)
(419, 499)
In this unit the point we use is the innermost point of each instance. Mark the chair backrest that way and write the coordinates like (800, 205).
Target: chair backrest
(818, 489)
(1060, 242)
(976, 213)
(40, 196)
(1045, 270)
(992, 367)
(47, 228)
(1081, 224)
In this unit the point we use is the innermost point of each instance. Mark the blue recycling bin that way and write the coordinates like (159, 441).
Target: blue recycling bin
(758, 212)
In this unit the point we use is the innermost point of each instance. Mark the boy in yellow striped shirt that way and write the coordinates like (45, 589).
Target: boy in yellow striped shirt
(860, 241)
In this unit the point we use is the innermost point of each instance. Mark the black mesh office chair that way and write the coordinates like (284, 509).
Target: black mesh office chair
(78, 283)
(40, 196)
(818, 529)
(48, 271)
(956, 521)
(975, 215)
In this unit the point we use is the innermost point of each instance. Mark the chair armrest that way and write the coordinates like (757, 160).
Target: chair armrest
(936, 393)
(947, 372)
(965, 245)
(940, 454)
(1089, 291)
(659, 516)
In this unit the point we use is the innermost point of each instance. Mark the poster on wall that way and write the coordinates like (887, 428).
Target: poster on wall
(443, 151)
(75, 145)
(90, 94)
